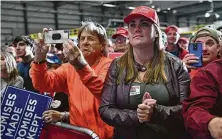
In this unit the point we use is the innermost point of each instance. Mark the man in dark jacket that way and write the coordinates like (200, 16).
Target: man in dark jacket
(202, 111)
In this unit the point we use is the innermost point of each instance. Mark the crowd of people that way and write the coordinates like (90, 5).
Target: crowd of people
(152, 90)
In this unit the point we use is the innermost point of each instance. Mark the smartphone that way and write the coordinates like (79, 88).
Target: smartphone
(56, 36)
(197, 50)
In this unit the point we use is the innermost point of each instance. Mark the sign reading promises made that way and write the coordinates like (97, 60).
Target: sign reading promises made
(21, 113)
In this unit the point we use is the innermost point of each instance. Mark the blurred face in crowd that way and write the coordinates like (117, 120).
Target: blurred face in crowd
(20, 48)
(183, 44)
(172, 36)
(52, 49)
(141, 31)
(120, 41)
(11, 50)
(89, 44)
(60, 54)
(220, 50)
(3, 64)
(210, 48)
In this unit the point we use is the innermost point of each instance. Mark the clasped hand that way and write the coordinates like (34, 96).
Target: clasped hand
(145, 110)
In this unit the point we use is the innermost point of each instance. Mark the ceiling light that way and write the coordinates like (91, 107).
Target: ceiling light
(158, 9)
(207, 15)
(210, 0)
(131, 8)
(164, 11)
(109, 5)
(153, 6)
(174, 11)
(217, 15)
(168, 9)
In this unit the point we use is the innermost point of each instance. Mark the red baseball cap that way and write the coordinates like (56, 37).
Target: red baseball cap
(144, 11)
(172, 27)
(120, 31)
(184, 39)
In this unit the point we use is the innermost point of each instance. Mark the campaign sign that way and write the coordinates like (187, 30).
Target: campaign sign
(21, 113)
(114, 55)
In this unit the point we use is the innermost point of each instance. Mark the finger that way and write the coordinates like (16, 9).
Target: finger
(45, 30)
(188, 55)
(146, 96)
(190, 67)
(67, 45)
(40, 37)
(142, 116)
(143, 119)
(192, 61)
(144, 107)
(143, 112)
(46, 112)
(47, 120)
(149, 102)
(74, 46)
(44, 116)
(192, 58)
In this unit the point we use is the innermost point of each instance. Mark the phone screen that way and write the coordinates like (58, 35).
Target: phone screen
(197, 50)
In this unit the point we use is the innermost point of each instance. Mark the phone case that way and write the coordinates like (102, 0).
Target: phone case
(56, 36)
(197, 50)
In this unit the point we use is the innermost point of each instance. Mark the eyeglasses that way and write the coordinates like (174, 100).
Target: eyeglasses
(120, 39)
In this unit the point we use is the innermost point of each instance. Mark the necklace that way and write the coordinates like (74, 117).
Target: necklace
(140, 67)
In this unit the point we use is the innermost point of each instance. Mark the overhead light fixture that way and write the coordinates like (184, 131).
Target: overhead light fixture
(168, 9)
(164, 11)
(217, 15)
(210, 0)
(158, 9)
(131, 8)
(109, 5)
(153, 6)
(174, 11)
(207, 15)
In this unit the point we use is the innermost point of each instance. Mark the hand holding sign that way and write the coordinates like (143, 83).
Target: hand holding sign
(145, 110)
(51, 116)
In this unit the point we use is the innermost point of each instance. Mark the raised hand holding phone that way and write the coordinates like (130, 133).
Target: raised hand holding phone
(41, 48)
(74, 55)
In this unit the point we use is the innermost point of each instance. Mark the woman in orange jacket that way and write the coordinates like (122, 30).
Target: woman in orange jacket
(82, 78)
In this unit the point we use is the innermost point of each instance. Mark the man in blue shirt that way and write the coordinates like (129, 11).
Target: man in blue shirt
(23, 47)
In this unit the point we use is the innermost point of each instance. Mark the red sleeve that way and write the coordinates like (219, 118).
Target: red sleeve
(48, 81)
(92, 80)
(198, 107)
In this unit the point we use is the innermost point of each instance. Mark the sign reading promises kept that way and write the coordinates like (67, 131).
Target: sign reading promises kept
(21, 113)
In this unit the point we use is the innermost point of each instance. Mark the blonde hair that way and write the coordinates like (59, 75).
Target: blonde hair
(11, 66)
(155, 68)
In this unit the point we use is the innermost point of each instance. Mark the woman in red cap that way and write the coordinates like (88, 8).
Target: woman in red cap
(183, 42)
(144, 88)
